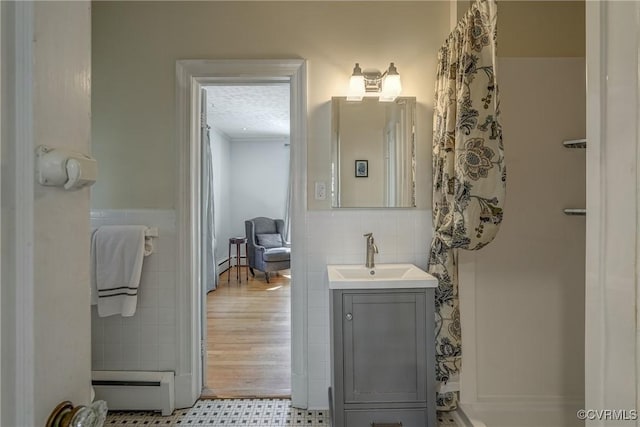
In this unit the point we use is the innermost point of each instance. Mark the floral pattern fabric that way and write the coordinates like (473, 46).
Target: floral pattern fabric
(469, 172)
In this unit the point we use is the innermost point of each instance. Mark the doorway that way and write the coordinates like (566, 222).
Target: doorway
(191, 76)
(246, 170)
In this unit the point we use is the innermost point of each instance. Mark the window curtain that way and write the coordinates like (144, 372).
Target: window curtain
(288, 200)
(210, 276)
(469, 174)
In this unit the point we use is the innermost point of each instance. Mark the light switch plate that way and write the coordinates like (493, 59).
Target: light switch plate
(321, 190)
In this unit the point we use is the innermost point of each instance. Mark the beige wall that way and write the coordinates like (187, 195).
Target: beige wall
(135, 46)
(535, 28)
(541, 28)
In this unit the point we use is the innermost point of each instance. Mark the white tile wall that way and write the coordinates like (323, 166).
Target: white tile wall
(335, 237)
(146, 341)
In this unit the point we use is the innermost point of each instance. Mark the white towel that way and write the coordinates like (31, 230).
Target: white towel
(117, 254)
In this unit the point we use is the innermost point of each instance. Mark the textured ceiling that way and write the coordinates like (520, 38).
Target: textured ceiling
(249, 111)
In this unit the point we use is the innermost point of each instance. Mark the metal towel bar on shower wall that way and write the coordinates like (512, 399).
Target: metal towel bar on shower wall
(579, 211)
(575, 143)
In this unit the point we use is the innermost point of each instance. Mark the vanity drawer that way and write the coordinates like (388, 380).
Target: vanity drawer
(386, 418)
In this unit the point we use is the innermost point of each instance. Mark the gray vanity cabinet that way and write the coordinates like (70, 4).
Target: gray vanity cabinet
(383, 371)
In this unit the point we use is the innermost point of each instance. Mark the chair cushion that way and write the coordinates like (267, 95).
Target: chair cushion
(277, 254)
(269, 240)
(264, 225)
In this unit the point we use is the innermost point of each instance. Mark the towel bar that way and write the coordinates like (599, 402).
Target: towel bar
(572, 211)
(149, 232)
(575, 143)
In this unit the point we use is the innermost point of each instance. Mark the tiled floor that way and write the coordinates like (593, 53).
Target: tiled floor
(235, 412)
(227, 412)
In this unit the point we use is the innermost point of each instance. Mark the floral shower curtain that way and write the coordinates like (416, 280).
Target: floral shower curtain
(469, 173)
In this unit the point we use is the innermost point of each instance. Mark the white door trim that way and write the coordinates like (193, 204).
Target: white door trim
(2, 61)
(612, 345)
(24, 197)
(190, 76)
(18, 387)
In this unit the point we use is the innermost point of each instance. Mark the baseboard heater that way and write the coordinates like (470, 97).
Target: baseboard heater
(135, 390)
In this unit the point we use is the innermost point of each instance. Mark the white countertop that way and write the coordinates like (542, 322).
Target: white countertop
(382, 276)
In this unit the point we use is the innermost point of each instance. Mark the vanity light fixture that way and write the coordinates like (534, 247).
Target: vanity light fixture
(386, 84)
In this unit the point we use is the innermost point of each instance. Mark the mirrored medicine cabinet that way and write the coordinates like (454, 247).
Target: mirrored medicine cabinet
(373, 153)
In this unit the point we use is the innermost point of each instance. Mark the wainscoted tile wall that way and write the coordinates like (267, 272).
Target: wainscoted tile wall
(146, 341)
(335, 237)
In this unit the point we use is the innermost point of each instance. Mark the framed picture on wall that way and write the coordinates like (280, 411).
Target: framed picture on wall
(362, 168)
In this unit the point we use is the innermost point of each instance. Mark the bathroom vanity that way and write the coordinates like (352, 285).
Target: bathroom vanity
(382, 346)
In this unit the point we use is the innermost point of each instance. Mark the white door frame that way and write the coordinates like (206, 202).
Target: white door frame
(17, 335)
(2, 57)
(191, 75)
(612, 298)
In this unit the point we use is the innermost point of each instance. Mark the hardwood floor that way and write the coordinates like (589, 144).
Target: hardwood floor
(249, 337)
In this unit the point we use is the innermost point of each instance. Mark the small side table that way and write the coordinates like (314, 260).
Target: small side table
(238, 241)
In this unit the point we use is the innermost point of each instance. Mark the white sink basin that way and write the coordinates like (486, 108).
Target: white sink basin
(382, 276)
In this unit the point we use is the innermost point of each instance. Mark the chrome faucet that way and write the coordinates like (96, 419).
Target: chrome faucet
(372, 249)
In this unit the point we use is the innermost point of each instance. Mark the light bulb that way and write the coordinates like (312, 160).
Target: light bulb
(391, 85)
(391, 88)
(356, 85)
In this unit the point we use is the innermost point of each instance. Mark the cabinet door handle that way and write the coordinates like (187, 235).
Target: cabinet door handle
(349, 316)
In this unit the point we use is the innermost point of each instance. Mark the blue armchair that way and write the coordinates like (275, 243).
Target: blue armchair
(267, 250)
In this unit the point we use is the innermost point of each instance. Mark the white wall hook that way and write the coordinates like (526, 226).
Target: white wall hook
(65, 168)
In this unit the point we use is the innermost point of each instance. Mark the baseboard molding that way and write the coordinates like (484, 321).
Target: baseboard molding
(227, 262)
(183, 391)
(299, 391)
